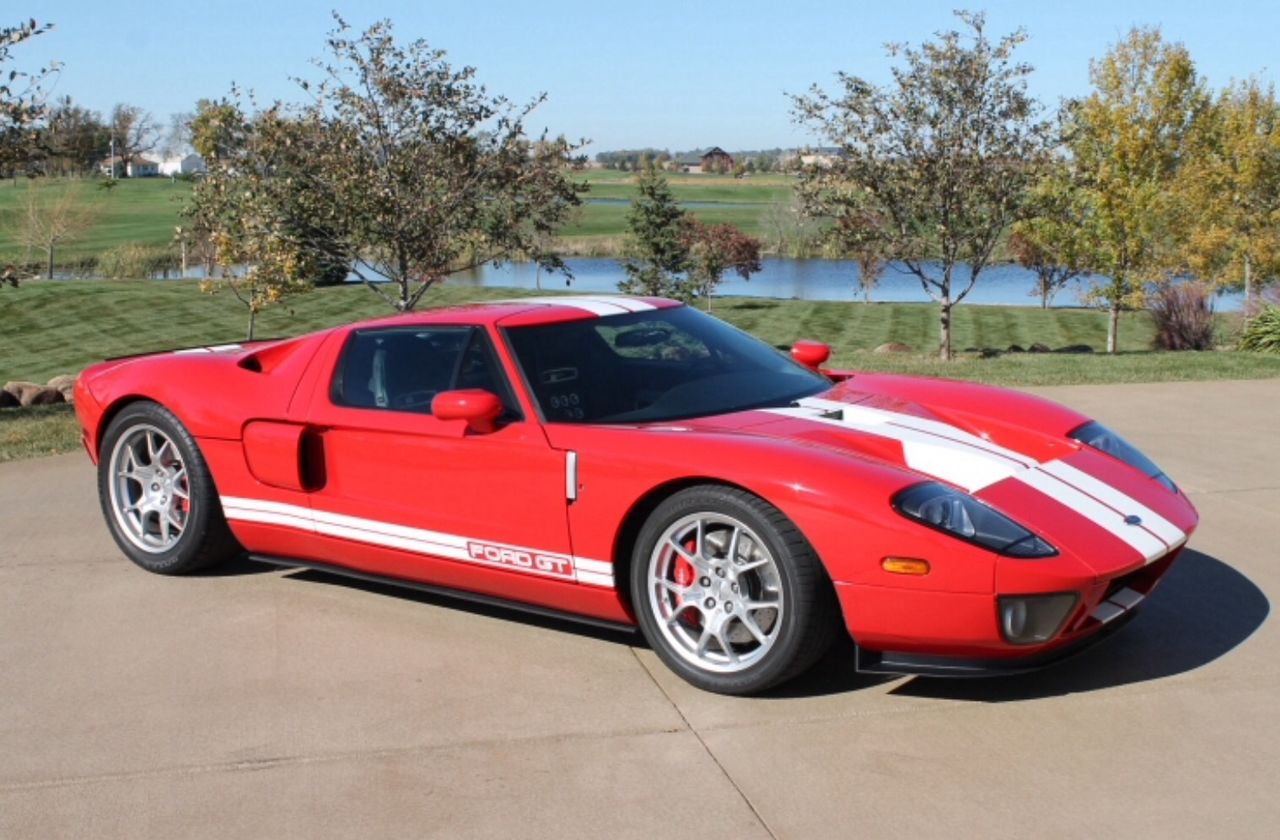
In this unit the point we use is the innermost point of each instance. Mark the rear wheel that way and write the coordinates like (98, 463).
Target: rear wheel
(157, 495)
(728, 592)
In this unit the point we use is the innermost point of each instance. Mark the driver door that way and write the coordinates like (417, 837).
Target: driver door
(408, 495)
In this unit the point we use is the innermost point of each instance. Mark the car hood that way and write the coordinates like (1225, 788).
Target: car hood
(915, 422)
(1010, 449)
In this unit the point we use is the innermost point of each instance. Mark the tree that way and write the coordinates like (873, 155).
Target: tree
(21, 97)
(135, 133)
(177, 140)
(944, 153)
(658, 244)
(419, 172)
(1229, 187)
(53, 216)
(1127, 141)
(218, 127)
(257, 226)
(715, 249)
(1049, 241)
(75, 139)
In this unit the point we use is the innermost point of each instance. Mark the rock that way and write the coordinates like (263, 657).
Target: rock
(22, 390)
(988, 353)
(1015, 348)
(46, 396)
(8, 400)
(1076, 348)
(1038, 348)
(893, 347)
(66, 385)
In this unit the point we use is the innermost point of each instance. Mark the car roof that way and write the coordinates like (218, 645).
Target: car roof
(525, 311)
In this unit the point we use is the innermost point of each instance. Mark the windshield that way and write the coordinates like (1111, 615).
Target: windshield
(654, 366)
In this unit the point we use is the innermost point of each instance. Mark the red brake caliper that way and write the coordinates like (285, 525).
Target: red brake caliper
(684, 575)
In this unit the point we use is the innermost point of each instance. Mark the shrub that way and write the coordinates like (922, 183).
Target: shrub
(137, 262)
(1262, 335)
(1183, 317)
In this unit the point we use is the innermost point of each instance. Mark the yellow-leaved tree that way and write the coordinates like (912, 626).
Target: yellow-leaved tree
(1229, 189)
(1127, 141)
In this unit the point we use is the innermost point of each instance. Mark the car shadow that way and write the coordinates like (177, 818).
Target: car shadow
(458, 603)
(1202, 610)
(240, 565)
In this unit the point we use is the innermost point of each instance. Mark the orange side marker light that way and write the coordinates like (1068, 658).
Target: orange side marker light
(905, 566)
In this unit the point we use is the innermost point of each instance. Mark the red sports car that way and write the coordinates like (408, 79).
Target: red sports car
(632, 461)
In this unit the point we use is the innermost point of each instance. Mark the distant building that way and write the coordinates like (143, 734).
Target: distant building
(714, 160)
(717, 160)
(823, 156)
(139, 167)
(191, 164)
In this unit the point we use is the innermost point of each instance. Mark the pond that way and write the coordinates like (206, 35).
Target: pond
(1001, 285)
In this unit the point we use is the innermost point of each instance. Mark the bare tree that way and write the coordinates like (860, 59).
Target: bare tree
(135, 133)
(52, 217)
(177, 139)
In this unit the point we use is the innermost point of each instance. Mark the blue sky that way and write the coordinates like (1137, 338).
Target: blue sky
(664, 74)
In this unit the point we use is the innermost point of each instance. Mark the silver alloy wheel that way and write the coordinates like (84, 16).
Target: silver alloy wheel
(150, 492)
(715, 590)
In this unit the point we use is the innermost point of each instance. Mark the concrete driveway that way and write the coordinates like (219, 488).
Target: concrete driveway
(284, 704)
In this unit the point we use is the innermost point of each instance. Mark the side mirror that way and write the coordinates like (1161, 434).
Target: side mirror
(479, 408)
(811, 354)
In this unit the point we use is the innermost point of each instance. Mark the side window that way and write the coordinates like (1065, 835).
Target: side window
(403, 368)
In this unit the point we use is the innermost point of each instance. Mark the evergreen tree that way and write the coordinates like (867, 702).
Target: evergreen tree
(659, 253)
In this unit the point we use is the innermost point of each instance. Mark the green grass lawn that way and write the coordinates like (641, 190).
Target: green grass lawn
(145, 211)
(141, 211)
(60, 327)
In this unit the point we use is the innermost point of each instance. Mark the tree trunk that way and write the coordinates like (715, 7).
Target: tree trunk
(403, 282)
(253, 317)
(1248, 288)
(1113, 326)
(944, 350)
(49, 274)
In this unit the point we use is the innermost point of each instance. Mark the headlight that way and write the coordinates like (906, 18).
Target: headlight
(964, 517)
(1103, 439)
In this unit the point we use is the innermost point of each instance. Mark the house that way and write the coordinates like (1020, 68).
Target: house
(139, 167)
(823, 156)
(717, 159)
(191, 164)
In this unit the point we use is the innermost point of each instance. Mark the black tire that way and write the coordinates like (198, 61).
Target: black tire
(147, 537)
(804, 614)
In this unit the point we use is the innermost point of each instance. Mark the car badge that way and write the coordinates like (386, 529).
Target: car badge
(1133, 519)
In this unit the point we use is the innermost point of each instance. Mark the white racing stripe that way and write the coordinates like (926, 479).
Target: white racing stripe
(1141, 540)
(597, 305)
(452, 546)
(627, 303)
(216, 348)
(966, 460)
(1111, 497)
(951, 458)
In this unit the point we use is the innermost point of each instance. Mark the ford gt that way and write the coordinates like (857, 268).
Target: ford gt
(632, 461)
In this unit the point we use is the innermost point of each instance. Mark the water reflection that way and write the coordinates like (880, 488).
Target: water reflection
(1008, 285)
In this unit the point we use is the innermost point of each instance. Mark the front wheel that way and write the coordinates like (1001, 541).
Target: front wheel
(728, 592)
(157, 495)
